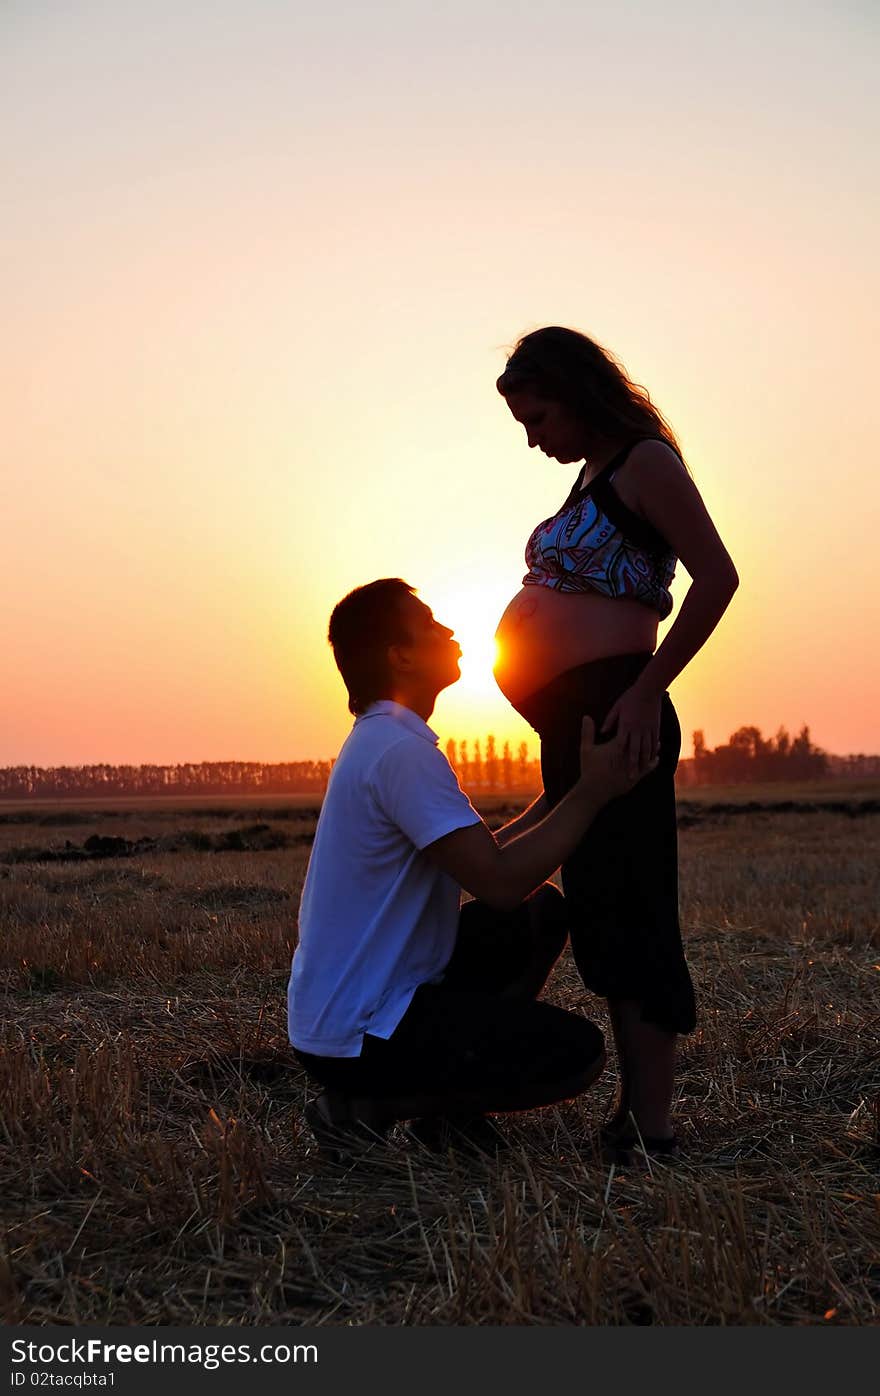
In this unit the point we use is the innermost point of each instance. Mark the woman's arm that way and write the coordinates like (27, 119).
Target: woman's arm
(668, 498)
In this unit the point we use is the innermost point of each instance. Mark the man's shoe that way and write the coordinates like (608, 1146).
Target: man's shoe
(337, 1130)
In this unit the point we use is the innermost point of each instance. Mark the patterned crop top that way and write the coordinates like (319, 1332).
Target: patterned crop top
(595, 543)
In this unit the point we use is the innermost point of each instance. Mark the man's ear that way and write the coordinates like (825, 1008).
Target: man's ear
(399, 659)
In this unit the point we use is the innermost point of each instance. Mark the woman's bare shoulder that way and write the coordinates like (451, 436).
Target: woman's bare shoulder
(655, 457)
(651, 468)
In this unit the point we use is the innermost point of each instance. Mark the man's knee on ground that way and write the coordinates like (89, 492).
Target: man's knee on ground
(580, 1045)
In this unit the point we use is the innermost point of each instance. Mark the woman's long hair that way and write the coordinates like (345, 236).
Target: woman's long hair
(570, 368)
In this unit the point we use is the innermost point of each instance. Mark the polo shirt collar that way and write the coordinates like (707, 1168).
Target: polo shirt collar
(405, 716)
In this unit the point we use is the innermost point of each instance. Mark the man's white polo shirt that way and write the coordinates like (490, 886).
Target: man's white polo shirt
(376, 918)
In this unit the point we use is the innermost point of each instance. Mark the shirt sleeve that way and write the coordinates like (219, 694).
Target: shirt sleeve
(415, 786)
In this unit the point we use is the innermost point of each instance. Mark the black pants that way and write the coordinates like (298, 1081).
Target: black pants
(481, 1037)
(621, 882)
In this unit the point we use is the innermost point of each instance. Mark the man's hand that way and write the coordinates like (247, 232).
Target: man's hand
(636, 715)
(502, 877)
(608, 770)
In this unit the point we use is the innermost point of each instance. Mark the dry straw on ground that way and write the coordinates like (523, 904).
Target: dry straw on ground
(153, 1167)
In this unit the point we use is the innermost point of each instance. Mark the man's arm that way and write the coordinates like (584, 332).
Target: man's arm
(527, 820)
(502, 876)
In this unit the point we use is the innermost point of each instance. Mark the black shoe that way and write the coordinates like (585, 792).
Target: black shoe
(336, 1132)
(625, 1147)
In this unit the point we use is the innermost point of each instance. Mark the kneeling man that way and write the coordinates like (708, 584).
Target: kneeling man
(403, 1003)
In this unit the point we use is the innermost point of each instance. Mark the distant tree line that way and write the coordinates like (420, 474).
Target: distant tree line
(190, 778)
(480, 767)
(749, 756)
(860, 767)
(746, 756)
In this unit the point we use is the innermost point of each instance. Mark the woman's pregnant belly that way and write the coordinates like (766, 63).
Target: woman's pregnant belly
(544, 632)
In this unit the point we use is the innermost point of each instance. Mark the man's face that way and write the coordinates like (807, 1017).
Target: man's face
(430, 652)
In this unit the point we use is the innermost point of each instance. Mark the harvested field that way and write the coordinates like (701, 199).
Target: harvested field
(153, 1167)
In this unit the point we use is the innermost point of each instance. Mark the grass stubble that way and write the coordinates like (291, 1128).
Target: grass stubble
(154, 1168)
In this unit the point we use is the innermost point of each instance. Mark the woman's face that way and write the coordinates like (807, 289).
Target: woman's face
(549, 424)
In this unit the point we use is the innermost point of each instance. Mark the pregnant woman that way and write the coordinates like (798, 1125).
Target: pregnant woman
(581, 637)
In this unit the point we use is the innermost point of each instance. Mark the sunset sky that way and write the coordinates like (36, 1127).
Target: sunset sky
(262, 262)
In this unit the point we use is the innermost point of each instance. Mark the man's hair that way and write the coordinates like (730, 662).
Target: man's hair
(363, 624)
